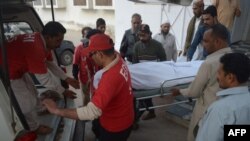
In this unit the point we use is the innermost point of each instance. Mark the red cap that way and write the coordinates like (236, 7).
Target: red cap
(100, 42)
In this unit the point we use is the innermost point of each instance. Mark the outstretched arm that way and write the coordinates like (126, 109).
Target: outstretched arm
(88, 112)
(57, 71)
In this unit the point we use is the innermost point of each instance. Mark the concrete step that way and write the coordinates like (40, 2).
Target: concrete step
(177, 120)
(181, 113)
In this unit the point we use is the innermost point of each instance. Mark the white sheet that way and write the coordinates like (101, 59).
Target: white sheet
(151, 75)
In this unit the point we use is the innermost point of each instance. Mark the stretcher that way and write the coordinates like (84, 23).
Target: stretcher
(159, 92)
(156, 79)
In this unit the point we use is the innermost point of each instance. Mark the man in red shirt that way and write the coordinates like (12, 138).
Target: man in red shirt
(31, 53)
(84, 67)
(112, 101)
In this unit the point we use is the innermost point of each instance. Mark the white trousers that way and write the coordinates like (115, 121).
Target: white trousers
(27, 97)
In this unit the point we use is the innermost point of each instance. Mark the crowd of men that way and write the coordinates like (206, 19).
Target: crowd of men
(103, 76)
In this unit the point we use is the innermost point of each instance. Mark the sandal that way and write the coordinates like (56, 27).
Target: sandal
(43, 130)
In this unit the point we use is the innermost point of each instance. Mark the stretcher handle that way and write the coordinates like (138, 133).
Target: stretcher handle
(163, 83)
(166, 105)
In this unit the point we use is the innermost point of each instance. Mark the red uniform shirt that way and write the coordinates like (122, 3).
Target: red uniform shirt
(86, 65)
(27, 53)
(114, 97)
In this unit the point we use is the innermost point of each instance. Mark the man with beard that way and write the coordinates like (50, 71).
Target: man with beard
(209, 17)
(130, 38)
(168, 41)
(147, 50)
(194, 23)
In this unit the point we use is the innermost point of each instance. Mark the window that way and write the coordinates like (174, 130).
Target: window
(56, 3)
(85, 4)
(38, 3)
(80, 2)
(15, 28)
(48, 2)
(104, 4)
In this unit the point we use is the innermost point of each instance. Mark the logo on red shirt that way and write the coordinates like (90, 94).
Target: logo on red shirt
(124, 71)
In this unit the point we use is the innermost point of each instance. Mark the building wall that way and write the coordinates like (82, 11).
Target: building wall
(76, 17)
(118, 19)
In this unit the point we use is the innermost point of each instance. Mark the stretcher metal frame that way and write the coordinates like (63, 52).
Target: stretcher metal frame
(160, 92)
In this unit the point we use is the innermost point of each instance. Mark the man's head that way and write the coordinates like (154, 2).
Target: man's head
(215, 38)
(136, 22)
(85, 31)
(144, 33)
(209, 16)
(234, 70)
(84, 39)
(91, 33)
(53, 33)
(198, 7)
(101, 48)
(101, 24)
(165, 27)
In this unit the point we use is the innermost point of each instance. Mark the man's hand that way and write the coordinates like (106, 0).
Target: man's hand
(175, 92)
(237, 12)
(69, 94)
(50, 105)
(72, 82)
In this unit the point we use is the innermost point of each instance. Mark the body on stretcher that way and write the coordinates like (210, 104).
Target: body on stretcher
(152, 79)
(156, 79)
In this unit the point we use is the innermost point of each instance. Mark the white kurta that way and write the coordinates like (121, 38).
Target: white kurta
(169, 45)
(204, 87)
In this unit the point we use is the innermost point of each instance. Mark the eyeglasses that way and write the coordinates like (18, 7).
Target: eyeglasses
(92, 53)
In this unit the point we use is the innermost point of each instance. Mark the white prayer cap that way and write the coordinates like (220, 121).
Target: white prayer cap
(165, 22)
(198, 2)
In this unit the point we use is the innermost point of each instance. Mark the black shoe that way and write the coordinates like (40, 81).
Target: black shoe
(135, 126)
(150, 115)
